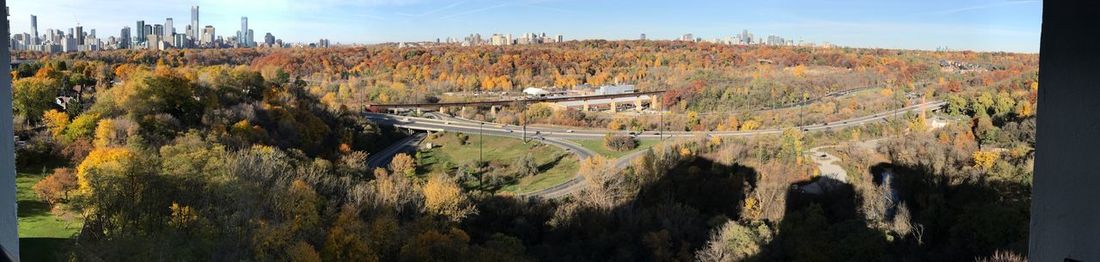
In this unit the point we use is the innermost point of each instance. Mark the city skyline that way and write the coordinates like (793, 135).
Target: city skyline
(962, 25)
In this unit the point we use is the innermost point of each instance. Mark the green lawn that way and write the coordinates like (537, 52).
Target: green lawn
(42, 235)
(555, 165)
(597, 146)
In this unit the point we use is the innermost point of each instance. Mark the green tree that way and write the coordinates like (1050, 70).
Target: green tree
(956, 105)
(33, 96)
(791, 145)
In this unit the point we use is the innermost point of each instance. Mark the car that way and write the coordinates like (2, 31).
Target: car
(509, 130)
(569, 131)
(447, 123)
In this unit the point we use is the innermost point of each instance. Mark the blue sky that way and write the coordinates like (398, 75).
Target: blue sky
(985, 25)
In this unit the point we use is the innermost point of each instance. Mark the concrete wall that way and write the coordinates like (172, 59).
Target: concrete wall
(1065, 212)
(9, 225)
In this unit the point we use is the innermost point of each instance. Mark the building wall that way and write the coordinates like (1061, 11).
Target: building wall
(1065, 219)
(9, 225)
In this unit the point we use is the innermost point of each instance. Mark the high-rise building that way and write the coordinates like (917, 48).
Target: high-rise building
(208, 36)
(139, 31)
(91, 33)
(34, 30)
(158, 29)
(251, 40)
(642, 37)
(79, 35)
(169, 30)
(195, 34)
(269, 39)
(124, 37)
(242, 36)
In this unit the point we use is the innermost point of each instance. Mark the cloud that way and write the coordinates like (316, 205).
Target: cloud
(980, 7)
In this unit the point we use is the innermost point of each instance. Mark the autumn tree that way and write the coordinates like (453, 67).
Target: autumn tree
(403, 164)
(55, 187)
(56, 122)
(443, 197)
(791, 145)
(346, 241)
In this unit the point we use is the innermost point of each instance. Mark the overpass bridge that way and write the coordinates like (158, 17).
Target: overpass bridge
(651, 98)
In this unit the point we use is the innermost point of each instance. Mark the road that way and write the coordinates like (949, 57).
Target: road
(383, 158)
(558, 136)
(827, 167)
(473, 127)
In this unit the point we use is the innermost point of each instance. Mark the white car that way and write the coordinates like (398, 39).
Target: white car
(569, 131)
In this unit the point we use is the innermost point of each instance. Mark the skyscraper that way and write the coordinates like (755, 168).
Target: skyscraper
(169, 30)
(124, 37)
(139, 31)
(34, 30)
(195, 23)
(159, 30)
(79, 35)
(242, 36)
(269, 39)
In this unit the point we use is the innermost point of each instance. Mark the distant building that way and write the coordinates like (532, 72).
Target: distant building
(139, 32)
(534, 91)
(195, 34)
(124, 38)
(615, 89)
(208, 36)
(169, 29)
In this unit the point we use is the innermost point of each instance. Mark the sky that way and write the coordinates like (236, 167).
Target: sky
(980, 25)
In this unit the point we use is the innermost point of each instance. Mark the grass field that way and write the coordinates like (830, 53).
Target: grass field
(42, 235)
(597, 146)
(555, 165)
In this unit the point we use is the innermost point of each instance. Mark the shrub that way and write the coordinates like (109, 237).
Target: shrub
(619, 143)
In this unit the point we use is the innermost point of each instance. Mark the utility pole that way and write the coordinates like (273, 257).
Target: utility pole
(481, 144)
(662, 127)
(523, 118)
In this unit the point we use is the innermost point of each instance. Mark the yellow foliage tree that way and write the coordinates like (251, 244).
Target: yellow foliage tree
(750, 125)
(56, 122)
(985, 159)
(443, 197)
(615, 124)
(403, 164)
(799, 71)
(101, 160)
(104, 133)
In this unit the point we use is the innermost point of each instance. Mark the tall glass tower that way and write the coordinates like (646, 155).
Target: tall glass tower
(194, 22)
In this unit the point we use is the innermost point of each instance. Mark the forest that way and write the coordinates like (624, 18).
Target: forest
(259, 154)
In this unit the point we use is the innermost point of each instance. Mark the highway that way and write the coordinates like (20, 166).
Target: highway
(383, 158)
(559, 136)
(473, 127)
